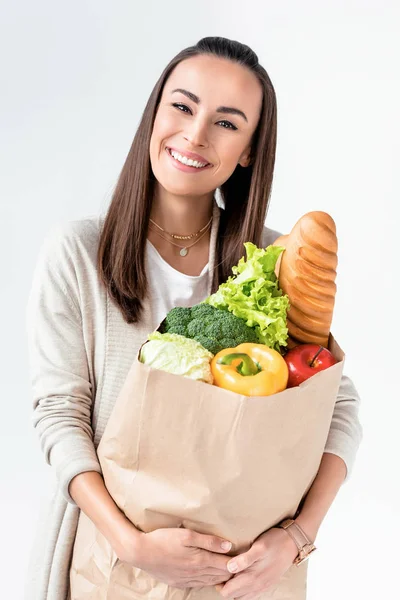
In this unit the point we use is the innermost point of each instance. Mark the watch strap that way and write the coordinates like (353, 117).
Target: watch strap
(303, 543)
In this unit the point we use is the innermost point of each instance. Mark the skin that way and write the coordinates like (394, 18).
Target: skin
(182, 202)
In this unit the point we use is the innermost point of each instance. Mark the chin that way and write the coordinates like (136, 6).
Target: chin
(173, 186)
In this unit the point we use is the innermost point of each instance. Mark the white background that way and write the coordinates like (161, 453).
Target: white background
(75, 77)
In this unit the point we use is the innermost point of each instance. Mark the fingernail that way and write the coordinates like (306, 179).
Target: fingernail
(226, 545)
(232, 566)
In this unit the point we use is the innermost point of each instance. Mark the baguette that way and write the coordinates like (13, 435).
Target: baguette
(307, 274)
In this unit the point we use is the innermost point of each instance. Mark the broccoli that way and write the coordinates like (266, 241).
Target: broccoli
(178, 315)
(213, 328)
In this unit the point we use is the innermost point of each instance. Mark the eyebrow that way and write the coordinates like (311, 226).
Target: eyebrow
(221, 109)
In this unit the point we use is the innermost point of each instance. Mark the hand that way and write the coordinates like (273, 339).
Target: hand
(181, 557)
(262, 566)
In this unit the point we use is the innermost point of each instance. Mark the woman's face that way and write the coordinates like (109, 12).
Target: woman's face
(199, 119)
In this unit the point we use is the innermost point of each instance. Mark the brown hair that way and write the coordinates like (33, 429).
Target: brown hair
(121, 253)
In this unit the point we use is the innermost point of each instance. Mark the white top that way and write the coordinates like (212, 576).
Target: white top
(169, 287)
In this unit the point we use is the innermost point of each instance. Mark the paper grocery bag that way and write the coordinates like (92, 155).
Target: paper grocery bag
(183, 453)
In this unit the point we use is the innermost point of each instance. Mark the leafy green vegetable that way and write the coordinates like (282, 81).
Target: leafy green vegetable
(253, 294)
(177, 354)
(213, 328)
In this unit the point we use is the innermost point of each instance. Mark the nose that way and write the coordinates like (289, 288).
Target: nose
(196, 133)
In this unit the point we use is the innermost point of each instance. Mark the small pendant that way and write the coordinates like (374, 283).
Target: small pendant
(183, 251)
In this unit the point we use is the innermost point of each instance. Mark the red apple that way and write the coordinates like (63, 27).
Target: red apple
(305, 360)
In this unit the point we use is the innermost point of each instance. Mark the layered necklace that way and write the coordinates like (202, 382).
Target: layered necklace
(183, 249)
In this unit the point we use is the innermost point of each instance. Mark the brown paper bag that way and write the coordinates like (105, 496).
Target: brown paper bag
(183, 453)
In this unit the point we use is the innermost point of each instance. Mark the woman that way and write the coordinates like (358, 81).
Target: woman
(101, 284)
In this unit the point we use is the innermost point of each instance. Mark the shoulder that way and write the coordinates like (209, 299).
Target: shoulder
(268, 236)
(66, 264)
(72, 243)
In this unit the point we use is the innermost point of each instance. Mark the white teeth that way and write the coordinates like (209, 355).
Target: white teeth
(187, 161)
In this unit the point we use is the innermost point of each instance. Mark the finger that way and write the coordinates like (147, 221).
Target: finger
(211, 543)
(214, 562)
(221, 573)
(243, 561)
(217, 573)
(197, 583)
(206, 581)
(238, 586)
(220, 586)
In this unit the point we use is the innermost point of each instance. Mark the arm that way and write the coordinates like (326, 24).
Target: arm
(341, 447)
(62, 392)
(58, 364)
(90, 494)
(274, 551)
(344, 438)
(330, 476)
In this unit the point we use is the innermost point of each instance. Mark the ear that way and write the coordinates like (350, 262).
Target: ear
(245, 159)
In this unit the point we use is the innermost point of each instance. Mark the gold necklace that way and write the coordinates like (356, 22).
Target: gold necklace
(182, 237)
(184, 249)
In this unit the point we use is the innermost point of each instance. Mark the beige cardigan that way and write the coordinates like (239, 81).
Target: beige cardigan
(80, 350)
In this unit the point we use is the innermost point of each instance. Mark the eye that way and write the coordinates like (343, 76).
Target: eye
(227, 124)
(180, 106)
(230, 125)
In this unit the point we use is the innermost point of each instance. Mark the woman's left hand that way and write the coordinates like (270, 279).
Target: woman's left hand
(262, 566)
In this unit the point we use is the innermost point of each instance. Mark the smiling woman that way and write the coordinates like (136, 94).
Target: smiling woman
(102, 284)
(188, 120)
(210, 112)
(197, 124)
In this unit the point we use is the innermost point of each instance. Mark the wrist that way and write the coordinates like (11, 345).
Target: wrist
(308, 525)
(290, 545)
(305, 546)
(127, 543)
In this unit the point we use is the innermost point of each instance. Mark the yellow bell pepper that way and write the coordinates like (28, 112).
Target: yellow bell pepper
(250, 370)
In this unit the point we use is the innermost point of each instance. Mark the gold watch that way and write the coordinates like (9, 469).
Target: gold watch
(305, 546)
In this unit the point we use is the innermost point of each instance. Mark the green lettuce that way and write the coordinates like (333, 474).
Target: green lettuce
(253, 294)
(177, 354)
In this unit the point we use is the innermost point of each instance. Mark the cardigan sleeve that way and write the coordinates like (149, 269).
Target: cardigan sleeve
(58, 364)
(345, 433)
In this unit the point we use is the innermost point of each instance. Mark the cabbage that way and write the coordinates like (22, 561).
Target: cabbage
(177, 354)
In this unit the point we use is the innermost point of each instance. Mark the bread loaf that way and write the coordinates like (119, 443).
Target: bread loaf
(307, 273)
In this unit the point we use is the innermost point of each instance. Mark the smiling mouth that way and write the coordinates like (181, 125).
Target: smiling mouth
(187, 165)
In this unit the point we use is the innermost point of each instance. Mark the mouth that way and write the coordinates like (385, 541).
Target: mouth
(194, 163)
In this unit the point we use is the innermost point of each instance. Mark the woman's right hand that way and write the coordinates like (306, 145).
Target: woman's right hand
(180, 557)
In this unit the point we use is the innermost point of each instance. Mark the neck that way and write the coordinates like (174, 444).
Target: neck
(182, 215)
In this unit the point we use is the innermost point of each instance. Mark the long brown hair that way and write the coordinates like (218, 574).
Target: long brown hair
(121, 253)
